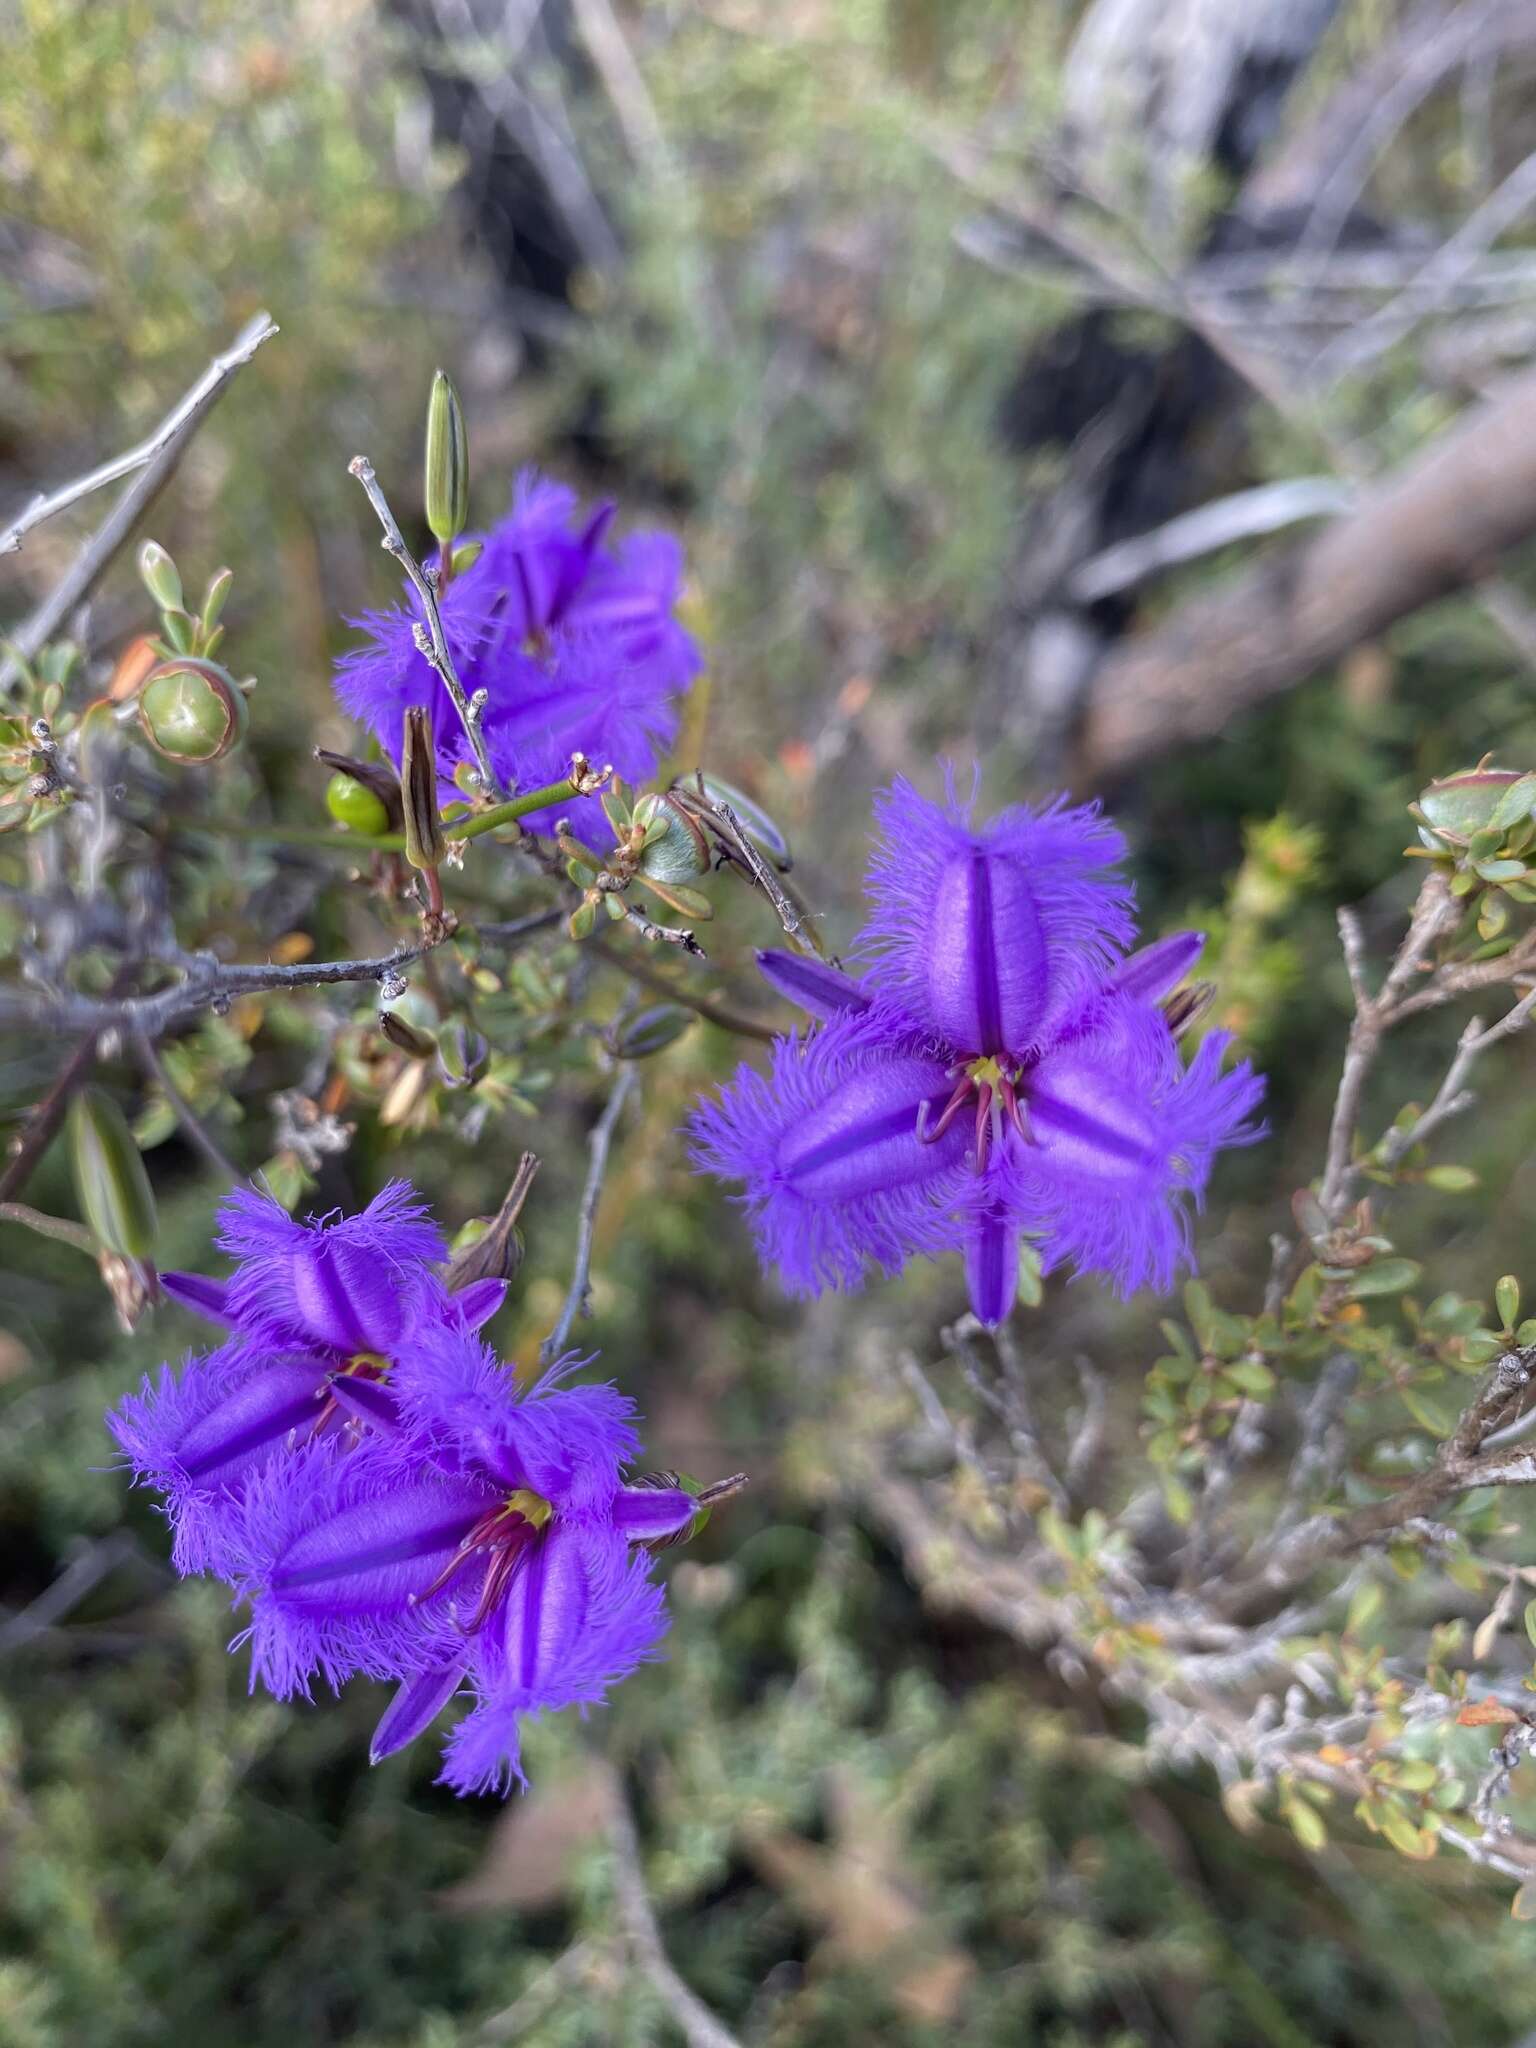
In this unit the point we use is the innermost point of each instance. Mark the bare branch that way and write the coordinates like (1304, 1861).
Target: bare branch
(436, 649)
(1265, 509)
(699, 2027)
(600, 1141)
(89, 564)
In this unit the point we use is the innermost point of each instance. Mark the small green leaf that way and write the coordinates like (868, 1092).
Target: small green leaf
(1450, 1180)
(1384, 1276)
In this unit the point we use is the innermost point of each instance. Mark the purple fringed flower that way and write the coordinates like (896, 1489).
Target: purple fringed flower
(495, 1546)
(375, 1485)
(318, 1314)
(575, 642)
(999, 1071)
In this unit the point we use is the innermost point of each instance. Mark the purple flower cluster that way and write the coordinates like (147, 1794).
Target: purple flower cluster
(1000, 1069)
(375, 1485)
(573, 639)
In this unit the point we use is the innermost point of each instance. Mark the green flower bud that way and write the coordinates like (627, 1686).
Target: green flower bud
(403, 1034)
(462, 1055)
(425, 844)
(110, 1180)
(192, 711)
(652, 1031)
(160, 577)
(750, 816)
(447, 463)
(354, 806)
(675, 848)
(491, 1247)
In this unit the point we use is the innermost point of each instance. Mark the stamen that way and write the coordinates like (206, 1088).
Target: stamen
(950, 1111)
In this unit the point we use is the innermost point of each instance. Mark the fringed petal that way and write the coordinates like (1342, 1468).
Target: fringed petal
(567, 1444)
(583, 1614)
(1123, 1138)
(836, 1175)
(985, 937)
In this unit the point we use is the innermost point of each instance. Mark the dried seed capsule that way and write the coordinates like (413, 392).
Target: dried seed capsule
(191, 710)
(425, 845)
(110, 1178)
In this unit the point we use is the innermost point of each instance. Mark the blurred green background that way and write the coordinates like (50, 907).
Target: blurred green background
(721, 262)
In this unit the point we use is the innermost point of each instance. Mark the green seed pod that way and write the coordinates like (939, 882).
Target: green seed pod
(110, 1180)
(447, 463)
(675, 848)
(425, 845)
(751, 817)
(192, 711)
(160, 576)
(354, 806)
(652, 1031)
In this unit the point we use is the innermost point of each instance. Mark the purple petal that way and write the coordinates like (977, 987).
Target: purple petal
(479, 1301)
(1123, 1140)
(415, 1706)
(341, 1555)
(205, 1297)
(819, 990)
(567, 1444)
(197, 1435)
(986, 937)
(992, 1266)
(643, 1514)
(352, 1284)
(1151, 971)
(827, 1146)
(584, 1619)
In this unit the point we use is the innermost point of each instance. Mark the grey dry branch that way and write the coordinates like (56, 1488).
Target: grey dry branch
(162, 452)
(431, 639)
(599, 1143)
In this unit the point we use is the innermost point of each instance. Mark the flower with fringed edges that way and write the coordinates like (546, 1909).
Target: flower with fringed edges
(494, 1543)
(573, 638)
(317, 1314)
(375, 1485)
(999, 1070)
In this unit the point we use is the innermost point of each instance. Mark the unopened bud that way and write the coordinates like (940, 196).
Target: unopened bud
(447, 463)
(110, 1178)
(462, 1054)
(192, 711)
(403, 1034)
(425, 844)
(159, 576)
(749, 815)
(652, 1031)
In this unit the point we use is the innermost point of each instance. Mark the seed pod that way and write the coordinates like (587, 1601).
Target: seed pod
(652, 1031)
(447, 463)
(1457, 806)
(425, 845)
(110, 1179)
(491, 1247)
(192, 711)
(751, 817)
(354, 805)
(674, 848)
(160, 576)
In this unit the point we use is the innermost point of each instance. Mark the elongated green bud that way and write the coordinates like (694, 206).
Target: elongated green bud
(192, 711)
(425, 844)
(652, 1031)
(160, 576)
(447, 466)
(110, 1179)
(403, 1034)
